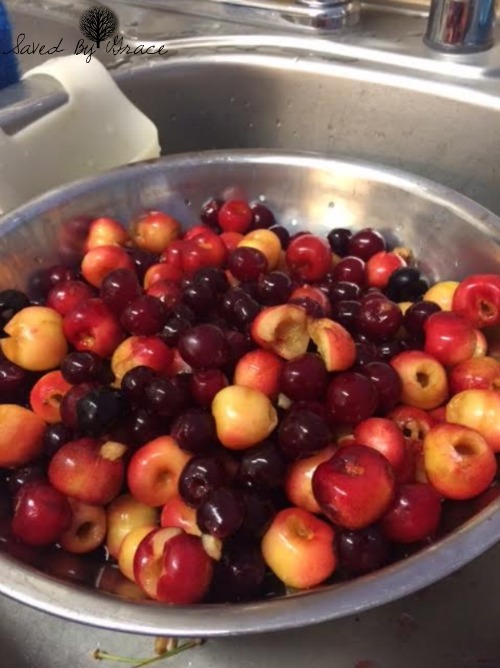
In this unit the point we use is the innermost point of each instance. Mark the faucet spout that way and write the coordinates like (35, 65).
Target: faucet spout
(461, 26)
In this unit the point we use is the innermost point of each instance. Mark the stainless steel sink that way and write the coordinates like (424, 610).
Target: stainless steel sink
(375, 93)
(248, 100)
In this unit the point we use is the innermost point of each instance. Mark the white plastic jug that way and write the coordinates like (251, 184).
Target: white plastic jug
(96, 130)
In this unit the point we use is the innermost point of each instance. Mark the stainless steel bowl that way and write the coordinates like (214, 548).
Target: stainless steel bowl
(451, 235)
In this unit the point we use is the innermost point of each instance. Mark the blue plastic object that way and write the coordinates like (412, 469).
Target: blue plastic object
(9, 67)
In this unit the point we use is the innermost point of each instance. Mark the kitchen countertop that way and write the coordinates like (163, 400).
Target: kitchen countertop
(453, 624)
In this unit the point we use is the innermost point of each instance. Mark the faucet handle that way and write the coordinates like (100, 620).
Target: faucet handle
(461, 26)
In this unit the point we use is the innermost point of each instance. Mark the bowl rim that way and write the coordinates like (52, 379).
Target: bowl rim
(76, 603)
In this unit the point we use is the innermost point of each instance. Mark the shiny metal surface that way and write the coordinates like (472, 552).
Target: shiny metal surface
(304, 191)
(335, 108)
(452, 624)
(313, 15)
(461, 26)
(375, 93)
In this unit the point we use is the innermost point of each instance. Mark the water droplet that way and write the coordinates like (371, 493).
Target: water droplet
(262, 198)
(331, 205)
(250, 126)
(187, 202)
(278, 123)
(232, 100)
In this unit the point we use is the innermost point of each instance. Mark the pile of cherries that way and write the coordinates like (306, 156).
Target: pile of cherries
(232, 406)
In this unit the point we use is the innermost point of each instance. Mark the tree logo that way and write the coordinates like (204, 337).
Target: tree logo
(98, 23)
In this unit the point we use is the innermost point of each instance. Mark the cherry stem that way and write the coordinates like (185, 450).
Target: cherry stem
(100, 655)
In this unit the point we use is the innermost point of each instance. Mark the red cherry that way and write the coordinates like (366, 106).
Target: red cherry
(355, 487)
(203, 249)
(65, 296)
(380, 268)
(235, 216)
(309, 257)
(449, 338)
(477, 298)
(92, 326)
(366, 243)
(414, 514)
(41, 514)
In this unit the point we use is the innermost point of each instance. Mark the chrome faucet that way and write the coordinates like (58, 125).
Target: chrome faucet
(312, 15)
(461, 26)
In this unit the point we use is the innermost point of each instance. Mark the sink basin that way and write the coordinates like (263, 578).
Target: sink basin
(376, 93)
(252, 100)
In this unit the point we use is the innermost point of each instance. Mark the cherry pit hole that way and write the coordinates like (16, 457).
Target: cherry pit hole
(84, 531)
(422, 379)
(464, 449)
(55, 400)
(487, 310)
